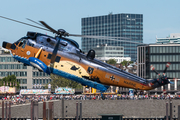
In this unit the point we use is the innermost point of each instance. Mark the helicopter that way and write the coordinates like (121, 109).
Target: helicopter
(62, 56)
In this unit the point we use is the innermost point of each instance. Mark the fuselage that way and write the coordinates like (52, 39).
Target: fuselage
(68, 59)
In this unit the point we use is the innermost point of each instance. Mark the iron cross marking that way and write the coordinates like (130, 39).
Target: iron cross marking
(90, 70)
(112, 77)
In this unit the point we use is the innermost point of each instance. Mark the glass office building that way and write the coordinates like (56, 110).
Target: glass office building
(115, 25)
(159, 55)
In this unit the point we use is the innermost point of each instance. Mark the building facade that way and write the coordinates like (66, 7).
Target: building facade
(27, 76)
(173, 38)
(115, 25)
(109, 51)
(159, 55)
(118, 59)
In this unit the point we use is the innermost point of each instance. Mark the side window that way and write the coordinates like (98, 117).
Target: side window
(57, 59)
(30, 44)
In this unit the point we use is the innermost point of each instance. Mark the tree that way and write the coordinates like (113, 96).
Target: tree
(10, 81)
(62, 82)
(111, 61)
(126, 63)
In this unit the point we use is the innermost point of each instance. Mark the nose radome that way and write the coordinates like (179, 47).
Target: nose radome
(4, 44)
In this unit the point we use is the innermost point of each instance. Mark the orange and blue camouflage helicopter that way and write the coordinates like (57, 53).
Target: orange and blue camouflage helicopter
(61, 56)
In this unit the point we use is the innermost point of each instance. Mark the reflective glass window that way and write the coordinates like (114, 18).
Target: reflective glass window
(167, 57)
(171, 58)
(170, 49)
(34, 74)
(37, 81)
(177, 58)
(8, 59)
(174, 49)
(174, 58)
(164, 49)
(3, 59)
(178, 84)
(177, 75)
(37, 74)
(164, 58)
(160, 49)
(44, 81)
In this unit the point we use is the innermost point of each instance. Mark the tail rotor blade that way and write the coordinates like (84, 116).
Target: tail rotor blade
(167, 65)
(153, 69)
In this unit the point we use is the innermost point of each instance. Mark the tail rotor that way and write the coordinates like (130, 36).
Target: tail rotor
(158, 79)
(162, 79)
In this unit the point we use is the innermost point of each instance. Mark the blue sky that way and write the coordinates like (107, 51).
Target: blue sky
(160, 17)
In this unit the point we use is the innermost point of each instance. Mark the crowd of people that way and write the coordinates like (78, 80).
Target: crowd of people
(23, 99)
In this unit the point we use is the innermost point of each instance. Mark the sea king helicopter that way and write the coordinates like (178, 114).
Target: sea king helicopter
(61, 56)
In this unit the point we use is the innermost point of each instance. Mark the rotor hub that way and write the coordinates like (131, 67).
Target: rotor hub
(62, 32)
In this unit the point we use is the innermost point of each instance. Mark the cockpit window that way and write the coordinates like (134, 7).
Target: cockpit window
(22, 43)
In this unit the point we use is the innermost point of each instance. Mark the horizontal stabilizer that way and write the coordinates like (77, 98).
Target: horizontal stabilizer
(171, 82)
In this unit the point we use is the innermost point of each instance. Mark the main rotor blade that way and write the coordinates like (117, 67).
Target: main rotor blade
(24, 23)
(34, 22)
(74, 35)
(48, 27)
(105, 38)
(98, 37)
(54, 53)
(126, 41)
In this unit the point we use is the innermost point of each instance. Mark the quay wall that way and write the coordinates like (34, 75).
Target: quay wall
(92, 108)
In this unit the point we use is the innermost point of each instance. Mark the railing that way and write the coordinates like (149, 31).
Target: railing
(96, 119)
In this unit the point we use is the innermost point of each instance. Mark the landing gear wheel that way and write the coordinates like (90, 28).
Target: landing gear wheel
(103, 96)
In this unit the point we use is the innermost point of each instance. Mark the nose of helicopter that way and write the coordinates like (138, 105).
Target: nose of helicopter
(7, 45)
